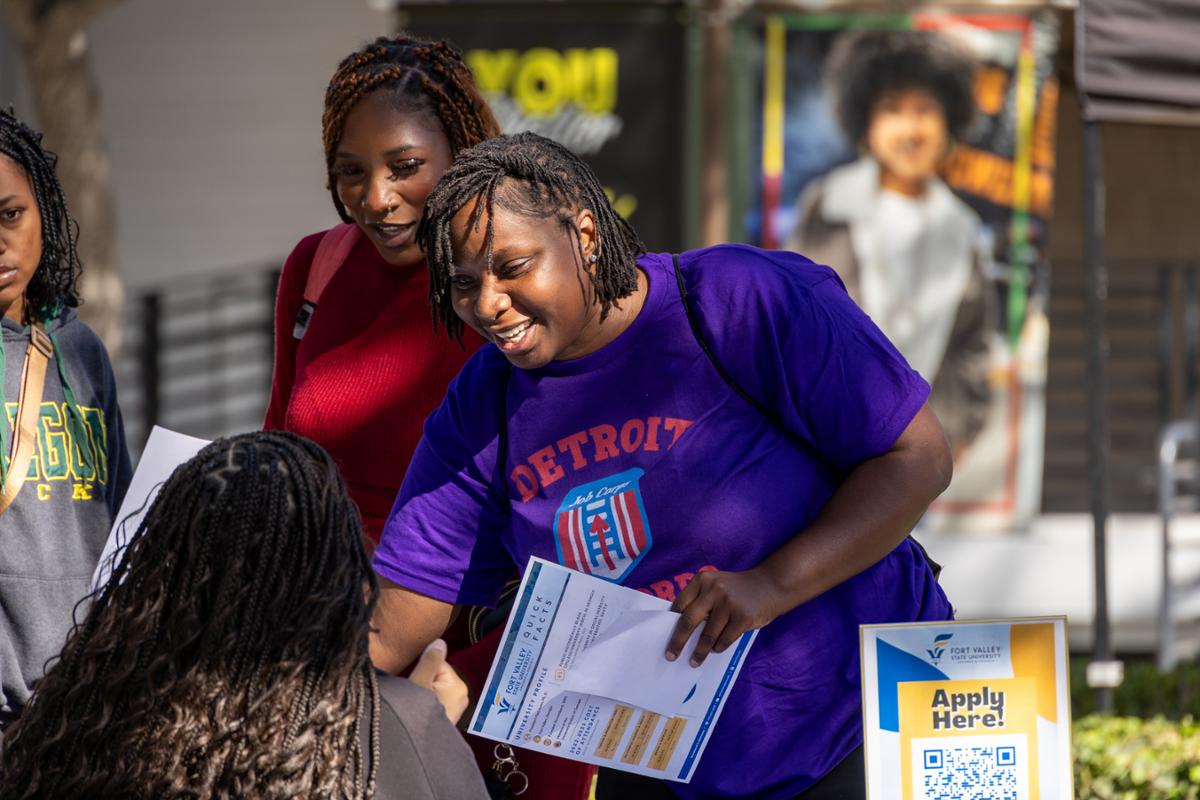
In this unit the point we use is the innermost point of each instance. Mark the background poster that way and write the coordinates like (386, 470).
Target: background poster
(934, 215)
(606, 83)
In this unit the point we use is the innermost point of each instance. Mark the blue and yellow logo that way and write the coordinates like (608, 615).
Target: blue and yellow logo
(939, 647)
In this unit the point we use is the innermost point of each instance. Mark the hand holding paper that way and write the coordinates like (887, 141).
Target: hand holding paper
(718, 607)
(634, 641)
(581, 672)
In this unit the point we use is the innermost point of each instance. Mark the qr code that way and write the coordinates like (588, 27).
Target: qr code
(971, 768)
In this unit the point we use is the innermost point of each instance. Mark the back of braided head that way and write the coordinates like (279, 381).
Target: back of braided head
(53, 286)
(422, 76)
(535, 177)
(227, 655)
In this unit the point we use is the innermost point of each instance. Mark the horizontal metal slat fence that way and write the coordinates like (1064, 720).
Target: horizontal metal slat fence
(197, 354)
(1152, 314)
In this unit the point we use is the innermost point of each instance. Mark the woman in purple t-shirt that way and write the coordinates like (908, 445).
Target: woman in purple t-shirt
(776, 496)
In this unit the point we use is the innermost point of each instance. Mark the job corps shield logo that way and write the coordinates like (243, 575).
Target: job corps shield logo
(601, 527)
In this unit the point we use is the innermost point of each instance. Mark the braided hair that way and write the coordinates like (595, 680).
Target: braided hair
(535, 177)
(227, 654)
(421, 75)
(53, 285)
(864, 64)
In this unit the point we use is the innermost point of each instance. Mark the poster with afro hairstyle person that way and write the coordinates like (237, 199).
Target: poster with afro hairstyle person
(914, 154)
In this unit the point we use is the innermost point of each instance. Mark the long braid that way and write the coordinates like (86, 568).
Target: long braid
(175, 685)
(534, 176)
(420, 73)
(54, 284)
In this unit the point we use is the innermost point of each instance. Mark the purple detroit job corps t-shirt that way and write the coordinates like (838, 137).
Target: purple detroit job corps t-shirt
(697, 479)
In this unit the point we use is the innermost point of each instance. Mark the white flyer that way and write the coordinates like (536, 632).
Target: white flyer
(165, 450)
(581, 674)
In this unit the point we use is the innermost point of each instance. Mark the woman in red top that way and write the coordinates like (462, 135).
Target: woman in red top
(369, 367)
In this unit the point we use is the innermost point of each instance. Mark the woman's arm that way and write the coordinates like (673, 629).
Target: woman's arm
(866, 518)
(404, 623)
(443, 536)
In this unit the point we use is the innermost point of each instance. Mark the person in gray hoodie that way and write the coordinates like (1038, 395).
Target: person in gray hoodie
(53, 532)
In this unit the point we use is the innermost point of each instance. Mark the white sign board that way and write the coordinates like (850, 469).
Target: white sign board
(967, 710)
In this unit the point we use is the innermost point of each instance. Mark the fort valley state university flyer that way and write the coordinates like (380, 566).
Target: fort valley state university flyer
(581, 674)
(967, 710)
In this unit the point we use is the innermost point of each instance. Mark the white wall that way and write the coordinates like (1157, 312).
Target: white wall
(13, 88)
(1049, 570)
(212, 113)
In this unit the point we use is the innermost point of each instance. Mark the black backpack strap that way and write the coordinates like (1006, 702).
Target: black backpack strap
(742, 393)
(482, 620)
(700, 340)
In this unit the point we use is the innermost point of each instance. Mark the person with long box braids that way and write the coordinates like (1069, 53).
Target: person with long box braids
(227, 655)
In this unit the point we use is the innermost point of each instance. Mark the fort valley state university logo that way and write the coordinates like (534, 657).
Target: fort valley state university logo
(939, 647)
(601, 527)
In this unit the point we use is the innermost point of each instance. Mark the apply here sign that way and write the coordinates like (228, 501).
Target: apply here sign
(967, 709)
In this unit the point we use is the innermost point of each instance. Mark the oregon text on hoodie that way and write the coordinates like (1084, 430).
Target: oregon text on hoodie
(52, 535)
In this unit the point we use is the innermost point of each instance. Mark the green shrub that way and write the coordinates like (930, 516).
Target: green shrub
(1145, 691)
(1125, 758)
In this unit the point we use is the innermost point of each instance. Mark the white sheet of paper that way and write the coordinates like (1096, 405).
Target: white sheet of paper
(637, 641)
(581, 673)
(165, 450)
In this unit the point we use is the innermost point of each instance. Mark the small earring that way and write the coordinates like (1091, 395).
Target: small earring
(593, 258)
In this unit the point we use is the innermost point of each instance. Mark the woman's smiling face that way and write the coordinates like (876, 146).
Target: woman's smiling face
(385, 165)
(534, 301)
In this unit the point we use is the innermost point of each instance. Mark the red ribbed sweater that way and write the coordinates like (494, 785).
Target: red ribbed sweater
(367, 373)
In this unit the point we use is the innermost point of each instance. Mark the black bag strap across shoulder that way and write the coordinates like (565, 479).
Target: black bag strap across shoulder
(763, 409)
(700, 340)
